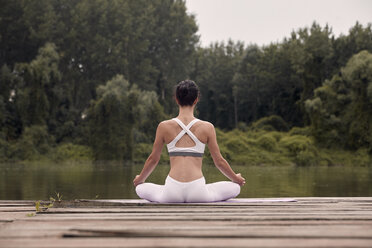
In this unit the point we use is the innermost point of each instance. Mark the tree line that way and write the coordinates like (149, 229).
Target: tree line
(100, 74)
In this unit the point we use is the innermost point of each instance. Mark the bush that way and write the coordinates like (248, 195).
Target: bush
(297, 143)
(306, 157)
(271, 123)
(236, 144)
(302, 149)
(35, 141)
(304, 131)
(242, 126)
(141, 152)
(69, 151)
(267, 142)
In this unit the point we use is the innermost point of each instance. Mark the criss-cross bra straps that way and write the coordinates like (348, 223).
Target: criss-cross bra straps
(194, 151)
(186, 129)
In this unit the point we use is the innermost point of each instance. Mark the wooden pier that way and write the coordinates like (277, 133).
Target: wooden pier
(305, 222)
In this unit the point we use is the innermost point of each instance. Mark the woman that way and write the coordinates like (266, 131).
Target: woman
(186, 137)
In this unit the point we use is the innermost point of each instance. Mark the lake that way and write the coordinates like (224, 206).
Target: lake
(114, 181)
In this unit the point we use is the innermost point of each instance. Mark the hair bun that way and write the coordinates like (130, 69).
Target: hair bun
(186, 92)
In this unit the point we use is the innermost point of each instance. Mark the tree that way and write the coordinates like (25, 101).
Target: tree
(10, 124)
(34, 92)
(311, 59)
(149, 113)
(111, 119)
(341, 110)
(214, 72)
(345, 46)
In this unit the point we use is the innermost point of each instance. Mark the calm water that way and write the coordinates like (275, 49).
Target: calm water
(114, 181)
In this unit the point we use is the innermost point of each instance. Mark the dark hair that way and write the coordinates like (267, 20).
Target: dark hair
(186, 92)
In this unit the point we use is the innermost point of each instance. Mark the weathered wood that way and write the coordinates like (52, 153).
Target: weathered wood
(308, 222)
(179, 242)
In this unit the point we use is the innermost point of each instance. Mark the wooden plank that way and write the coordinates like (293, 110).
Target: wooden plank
(17, 209)
(267, 209)
(29, 226)
(209, 218)
(182, 242)
(309, 222)
(337, 232)
(139, 213)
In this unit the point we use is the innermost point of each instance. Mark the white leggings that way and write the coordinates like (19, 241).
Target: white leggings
(195, 191)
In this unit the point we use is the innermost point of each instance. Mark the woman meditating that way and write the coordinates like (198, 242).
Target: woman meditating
(186, 137)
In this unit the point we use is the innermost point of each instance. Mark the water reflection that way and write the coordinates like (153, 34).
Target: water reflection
(114, 181)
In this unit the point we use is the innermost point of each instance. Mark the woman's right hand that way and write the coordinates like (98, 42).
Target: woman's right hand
(239, 179)
(137, 180)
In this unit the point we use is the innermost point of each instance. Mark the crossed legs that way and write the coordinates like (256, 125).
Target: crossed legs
(195, 191)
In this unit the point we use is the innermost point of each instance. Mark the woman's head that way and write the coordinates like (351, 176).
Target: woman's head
(186, 93)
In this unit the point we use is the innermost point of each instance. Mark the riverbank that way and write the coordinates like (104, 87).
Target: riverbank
(246, 146)
(274, 148)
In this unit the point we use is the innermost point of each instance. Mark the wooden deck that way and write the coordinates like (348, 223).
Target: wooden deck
(306, 222)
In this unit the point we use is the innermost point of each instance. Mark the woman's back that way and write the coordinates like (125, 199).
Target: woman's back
(189, 167)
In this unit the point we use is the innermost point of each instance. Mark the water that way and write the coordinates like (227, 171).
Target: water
(114, 181)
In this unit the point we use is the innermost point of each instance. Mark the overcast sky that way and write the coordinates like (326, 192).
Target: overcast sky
(265, 21)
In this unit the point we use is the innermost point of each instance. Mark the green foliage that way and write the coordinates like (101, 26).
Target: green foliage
(42, 207)
(33, 99)
(282, 148)
(143, 150)
(270, 148)
(58, 198)
(59, 60)
(4, 146)
(271, 123)
(297, 143)
(110, 120)
(112, 117)
(149, 113)
(34, 142)
(304, 131)
(214, 72)
(10, 124)
(68, 151)
(302, 149)
(341, 111)
(37, 206)
(267, 142)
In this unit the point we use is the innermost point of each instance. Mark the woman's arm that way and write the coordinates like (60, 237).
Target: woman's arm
(218, 160)
(154, 157)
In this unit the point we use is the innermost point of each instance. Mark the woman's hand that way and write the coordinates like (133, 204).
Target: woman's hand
(239, 179)
(137, 180)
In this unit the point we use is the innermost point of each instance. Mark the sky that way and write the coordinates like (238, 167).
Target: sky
(264, 21)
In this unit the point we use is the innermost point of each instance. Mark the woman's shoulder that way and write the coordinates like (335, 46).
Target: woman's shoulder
(171, 122)
(206, 123)
(205, 126)
(165, 123)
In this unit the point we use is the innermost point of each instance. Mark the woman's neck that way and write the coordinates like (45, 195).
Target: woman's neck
(186, 113)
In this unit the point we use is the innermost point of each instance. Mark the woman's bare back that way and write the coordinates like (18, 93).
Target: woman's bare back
(185, 168)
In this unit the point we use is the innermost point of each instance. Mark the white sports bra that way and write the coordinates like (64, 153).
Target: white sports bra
(194, 151)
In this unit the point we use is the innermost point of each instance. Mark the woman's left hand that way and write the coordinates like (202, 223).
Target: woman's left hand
(137, 180)
(240, 180)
